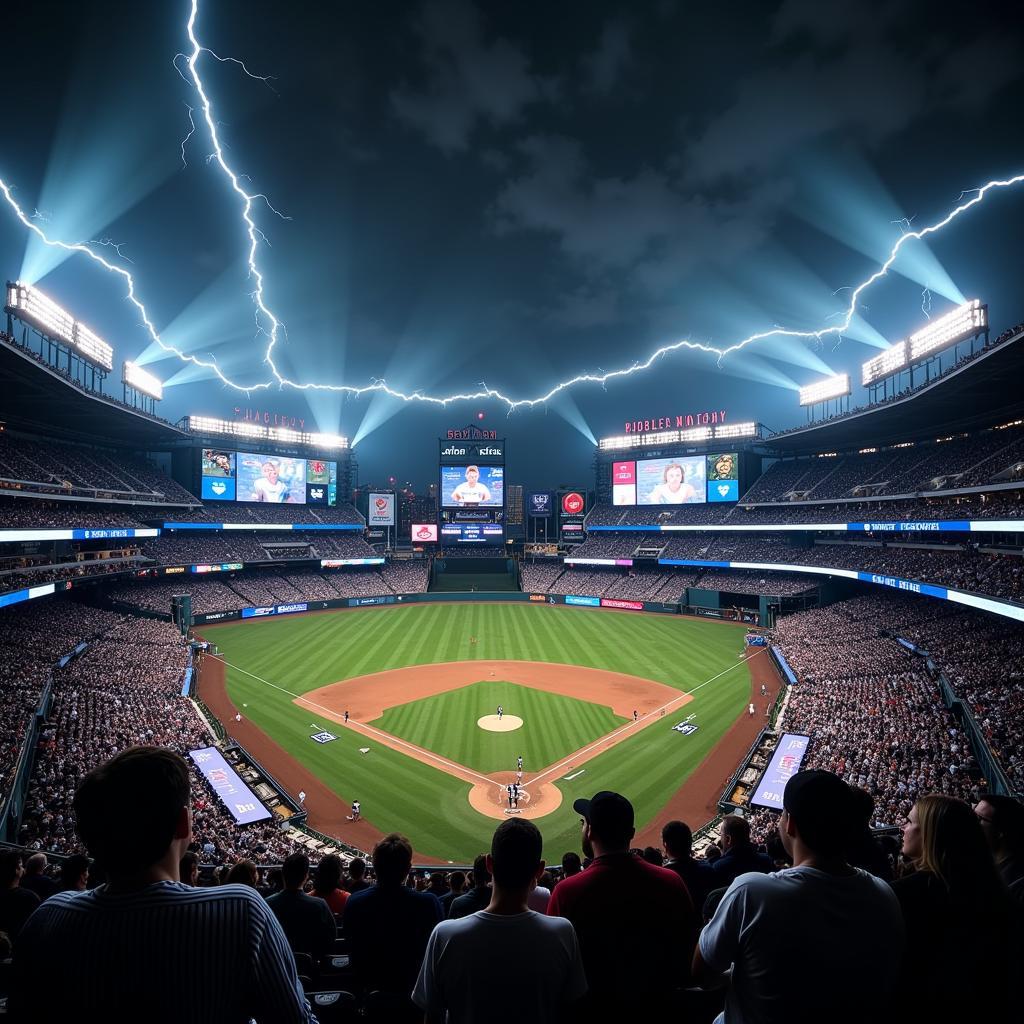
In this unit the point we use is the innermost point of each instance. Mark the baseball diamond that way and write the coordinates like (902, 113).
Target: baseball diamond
(415, 689)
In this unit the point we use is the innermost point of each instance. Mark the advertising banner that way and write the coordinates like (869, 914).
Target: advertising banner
(539, 503)
(632, 606)
(337, 563)
(785, 763)
(242, 803)
(423, 533)
(381, 510)
(590, 602)
(623, 483)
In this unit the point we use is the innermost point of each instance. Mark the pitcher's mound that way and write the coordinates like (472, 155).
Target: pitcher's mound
(507, 723)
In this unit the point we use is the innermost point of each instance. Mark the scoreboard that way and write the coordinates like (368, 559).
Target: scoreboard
(471, 491)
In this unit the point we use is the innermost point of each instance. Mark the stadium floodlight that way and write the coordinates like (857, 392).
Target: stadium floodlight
(142, 380)
(328, 440)
(93, 347)
(40, 310)
(253, 431)
(695, 434)
(825, 389)
(963, 322)
(621, 441)
(37, 308)
(889, 362)
(725, 430)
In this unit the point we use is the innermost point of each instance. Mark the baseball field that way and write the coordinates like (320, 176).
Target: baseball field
(423, 749)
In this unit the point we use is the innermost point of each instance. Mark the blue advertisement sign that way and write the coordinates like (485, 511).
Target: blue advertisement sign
(590, 602)
(242, 803)
(785, 763)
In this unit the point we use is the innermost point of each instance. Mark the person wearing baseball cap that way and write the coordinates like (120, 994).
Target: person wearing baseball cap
(635, 922)
(818, 941)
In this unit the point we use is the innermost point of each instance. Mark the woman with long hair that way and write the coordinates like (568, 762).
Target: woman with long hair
(961, 937)
(328, 883)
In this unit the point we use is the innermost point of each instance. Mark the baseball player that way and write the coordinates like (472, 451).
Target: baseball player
(238, 716)
(750, 710)
(519, 764)
(346, 718)
(764, 690)
(354, 816)
(636, 715)
(509, 789)
(501, 711)
(302, 797)
(515, 794)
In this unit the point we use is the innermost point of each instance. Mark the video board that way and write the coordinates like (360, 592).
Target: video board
(472, 486)
(275, 479)
(683, 480)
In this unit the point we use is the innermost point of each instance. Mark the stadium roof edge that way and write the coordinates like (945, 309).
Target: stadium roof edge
(983, 392)
(38, 399)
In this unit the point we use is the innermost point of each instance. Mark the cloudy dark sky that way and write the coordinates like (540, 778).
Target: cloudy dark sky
(514, 194)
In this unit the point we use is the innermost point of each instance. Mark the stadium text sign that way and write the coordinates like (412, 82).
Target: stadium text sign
(785, 763)
(675, 422)
(242, 803)
(269, 419)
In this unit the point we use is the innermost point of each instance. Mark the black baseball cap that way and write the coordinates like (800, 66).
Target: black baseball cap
(609, 814)
(824, 808)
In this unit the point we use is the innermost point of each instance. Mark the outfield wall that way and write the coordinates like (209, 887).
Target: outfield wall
(397, 599)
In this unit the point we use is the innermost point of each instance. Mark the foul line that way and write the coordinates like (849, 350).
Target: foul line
(430, 756)
(575, 758)
(362, 727)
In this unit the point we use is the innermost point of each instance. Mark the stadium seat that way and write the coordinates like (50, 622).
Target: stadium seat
(334, 1007)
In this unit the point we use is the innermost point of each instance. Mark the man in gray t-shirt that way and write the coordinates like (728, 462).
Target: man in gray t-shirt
(465, 956)
(820, 941)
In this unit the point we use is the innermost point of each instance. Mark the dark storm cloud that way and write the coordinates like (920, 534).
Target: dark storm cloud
(467, 79)
(644, 231)
(603, 68)
(864, 72)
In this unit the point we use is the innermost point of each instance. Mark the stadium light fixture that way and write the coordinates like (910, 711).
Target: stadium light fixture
(37, 308)
(963, 322)
(889, 362)
(142, 380)
(253, 431)
(826, 389)
(729, 430)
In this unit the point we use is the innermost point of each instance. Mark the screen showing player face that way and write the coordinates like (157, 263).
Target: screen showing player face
(218, 475)
(472, 486)
(679, 481)
(275, 479)
(724, 477)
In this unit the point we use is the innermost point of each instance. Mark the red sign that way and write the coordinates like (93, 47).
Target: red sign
(573, 503)
(677, 422)
(268, 418)
(424, 533)
(633, 606)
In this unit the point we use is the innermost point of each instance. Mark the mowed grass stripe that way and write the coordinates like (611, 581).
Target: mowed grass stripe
(304, 652)
(553, 725)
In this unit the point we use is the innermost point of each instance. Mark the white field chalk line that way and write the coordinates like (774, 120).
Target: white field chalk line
(363, 727)
(462, 768)
(629, 725)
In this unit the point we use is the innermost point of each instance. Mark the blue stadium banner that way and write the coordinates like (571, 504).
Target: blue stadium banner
(241, 802)
(78, 533)
(785, 763)
(590, 602)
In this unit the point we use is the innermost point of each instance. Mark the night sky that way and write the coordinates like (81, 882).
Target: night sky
(515, 193)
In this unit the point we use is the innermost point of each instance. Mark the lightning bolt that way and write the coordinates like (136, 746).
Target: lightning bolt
(269, 325)
(926, 302)
(110, 243)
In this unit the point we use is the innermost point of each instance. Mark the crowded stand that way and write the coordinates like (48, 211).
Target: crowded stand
(63, 467)
(267, 514)
(23, 513)
(856, 685)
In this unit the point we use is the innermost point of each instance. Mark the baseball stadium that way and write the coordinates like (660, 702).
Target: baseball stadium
(318, 649)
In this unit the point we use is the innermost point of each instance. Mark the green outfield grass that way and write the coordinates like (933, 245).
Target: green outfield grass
(272, 660)
(553, 725)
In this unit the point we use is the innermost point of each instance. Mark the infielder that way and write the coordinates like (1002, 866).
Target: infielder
(501, 711)
(519, 763)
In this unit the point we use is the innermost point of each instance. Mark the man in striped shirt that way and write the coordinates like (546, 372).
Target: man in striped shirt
(144, 946)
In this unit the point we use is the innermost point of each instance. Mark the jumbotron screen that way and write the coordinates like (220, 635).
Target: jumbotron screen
(472, 486)
(686, 480)
(277, 479)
